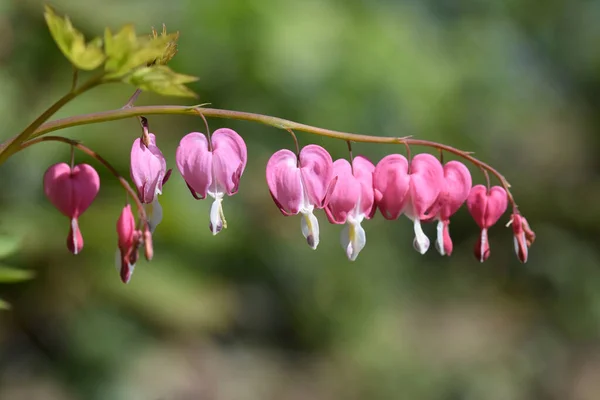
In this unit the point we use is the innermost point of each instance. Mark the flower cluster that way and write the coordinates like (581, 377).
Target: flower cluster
(421, 188)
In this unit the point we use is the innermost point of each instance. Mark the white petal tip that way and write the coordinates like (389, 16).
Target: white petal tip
(421, 241)
(310, 229)
(310, 239)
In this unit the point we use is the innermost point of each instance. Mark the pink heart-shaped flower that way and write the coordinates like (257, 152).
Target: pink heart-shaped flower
(486, 207)
(148, 169)
(391, 183)
(71, 191)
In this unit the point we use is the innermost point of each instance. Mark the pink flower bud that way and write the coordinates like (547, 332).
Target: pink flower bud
(523, 236)
(148, 247)
(214, 172)
(128, 243)
(72, 191)
(486, 208)
(301, 184)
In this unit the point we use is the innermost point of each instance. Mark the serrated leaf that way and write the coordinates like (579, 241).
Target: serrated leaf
(12, 275)
(125, 51)
(118, 46)
(162, 80)
(151, 49)
(72, 42)
(171, 46)
(4, 305)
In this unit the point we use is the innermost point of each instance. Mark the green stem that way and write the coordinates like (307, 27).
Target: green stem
(11, 146)
(279, 123)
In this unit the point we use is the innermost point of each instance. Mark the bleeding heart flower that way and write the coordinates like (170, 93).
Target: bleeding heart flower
(486, 208)
(72, 191)
(214, 168)
(414, 192)
(523, 236)
(129, 240)
(149, 173)
(455, 190)
(301, 184)
(351, 201)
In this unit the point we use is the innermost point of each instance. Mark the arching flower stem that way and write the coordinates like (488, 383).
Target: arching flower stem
(75, 144)
(276, 122)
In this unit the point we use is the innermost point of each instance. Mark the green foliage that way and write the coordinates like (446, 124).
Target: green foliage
(8, 246)
(171, 48)
(12, 275)
(125, 51)
(139, 60)
(161, 79)
(291, 322)
(72, 42)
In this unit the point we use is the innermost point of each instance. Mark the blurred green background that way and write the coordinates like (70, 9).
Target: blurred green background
(253, 313)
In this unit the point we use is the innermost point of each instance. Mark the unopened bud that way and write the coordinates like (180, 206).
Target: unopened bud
(523, 236)
(148, 249)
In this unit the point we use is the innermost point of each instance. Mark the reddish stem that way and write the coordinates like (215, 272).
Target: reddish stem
(93, 154)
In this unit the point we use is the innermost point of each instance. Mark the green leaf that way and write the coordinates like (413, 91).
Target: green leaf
(88, 57)
(12, 275)
(150, 50)
(4, 305)
(72, 42)
(162, 80)
(125, 51)
(118, 47)
(9, 245)
(170, 47)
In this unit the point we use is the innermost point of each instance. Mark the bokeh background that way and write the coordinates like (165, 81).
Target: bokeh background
(253, 313)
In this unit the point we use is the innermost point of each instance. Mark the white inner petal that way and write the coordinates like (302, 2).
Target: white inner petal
(345, 237)
(439, 243)
(130, 268)
(517, 248)
(421, 241)
(75, 228)
(154, 213)
(310, 228)
(483, 242)
(215, 190)
(353, 239)
(216, 210)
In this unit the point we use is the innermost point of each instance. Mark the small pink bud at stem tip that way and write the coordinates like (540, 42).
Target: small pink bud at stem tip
(148, 249)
